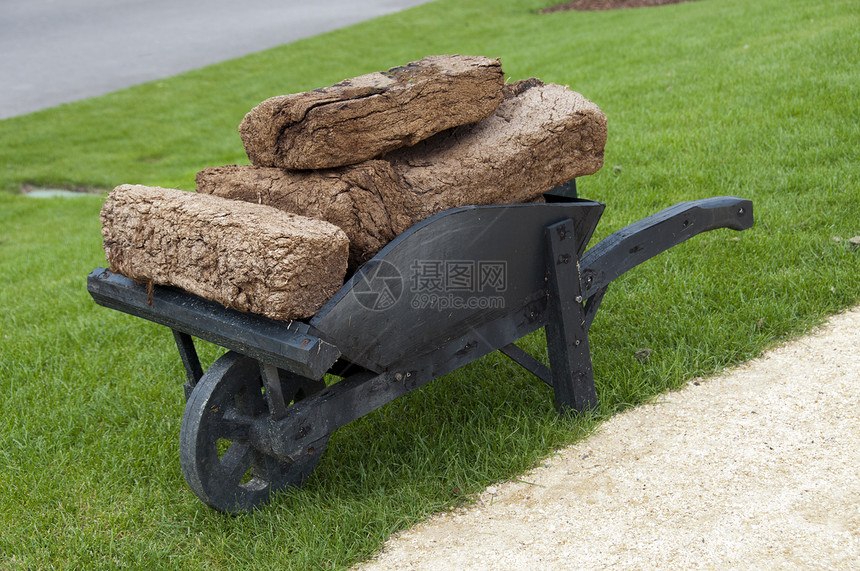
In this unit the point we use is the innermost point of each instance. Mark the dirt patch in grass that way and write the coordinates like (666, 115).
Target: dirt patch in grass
(587, 5)
(37, 191)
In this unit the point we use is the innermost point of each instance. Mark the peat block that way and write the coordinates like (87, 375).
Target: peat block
(366, 116)
(247, 256)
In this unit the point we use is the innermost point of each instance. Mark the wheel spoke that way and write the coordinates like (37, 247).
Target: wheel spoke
(234, 426)
(235, 463)
(251, 400)
(274, 391)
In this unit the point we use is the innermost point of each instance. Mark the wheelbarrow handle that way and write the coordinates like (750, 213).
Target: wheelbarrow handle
(642, 240)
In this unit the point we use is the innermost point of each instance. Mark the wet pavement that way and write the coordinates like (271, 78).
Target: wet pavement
(56, 51)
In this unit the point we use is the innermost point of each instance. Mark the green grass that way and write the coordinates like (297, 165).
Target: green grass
(704, 98)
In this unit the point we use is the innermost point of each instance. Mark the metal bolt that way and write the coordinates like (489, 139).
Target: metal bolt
(741, 211)
(578, 299)
(577, 342)
(398, 376)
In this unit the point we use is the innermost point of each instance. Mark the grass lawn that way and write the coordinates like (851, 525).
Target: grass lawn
(754, 99)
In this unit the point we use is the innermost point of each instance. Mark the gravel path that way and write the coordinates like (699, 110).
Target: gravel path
(757, 468)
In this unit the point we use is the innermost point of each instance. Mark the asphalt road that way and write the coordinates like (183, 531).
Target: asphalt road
(58, 51)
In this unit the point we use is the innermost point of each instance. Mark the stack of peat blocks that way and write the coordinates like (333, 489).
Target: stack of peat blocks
(338, 172)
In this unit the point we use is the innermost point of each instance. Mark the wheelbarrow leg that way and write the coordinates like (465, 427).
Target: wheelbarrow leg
(190, 360)
(567, 326)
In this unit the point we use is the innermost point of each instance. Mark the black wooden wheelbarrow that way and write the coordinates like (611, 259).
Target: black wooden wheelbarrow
(452, 288)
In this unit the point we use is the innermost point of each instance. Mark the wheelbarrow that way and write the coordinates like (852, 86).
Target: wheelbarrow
(451, 289)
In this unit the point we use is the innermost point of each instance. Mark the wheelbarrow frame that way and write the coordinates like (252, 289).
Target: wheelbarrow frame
(385, 335)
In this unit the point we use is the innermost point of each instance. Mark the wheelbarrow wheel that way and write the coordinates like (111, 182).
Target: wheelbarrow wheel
(218, 459)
